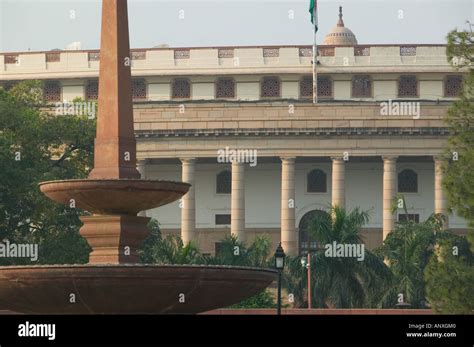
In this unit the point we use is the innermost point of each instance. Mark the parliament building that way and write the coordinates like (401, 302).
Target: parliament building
(376, 131)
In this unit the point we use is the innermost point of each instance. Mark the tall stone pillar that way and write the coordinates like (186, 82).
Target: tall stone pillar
(141, 168)
(389, 192)
(188, 208)
(237, 224)
(338, 182)
(288, 230)
(440, 202)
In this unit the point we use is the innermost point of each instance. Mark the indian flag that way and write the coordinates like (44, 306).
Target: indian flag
(313, 9)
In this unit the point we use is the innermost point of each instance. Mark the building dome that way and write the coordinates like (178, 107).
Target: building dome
(340, 35)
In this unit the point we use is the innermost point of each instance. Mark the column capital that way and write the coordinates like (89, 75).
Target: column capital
(288, 160)
(389, 157)
(188, 160)
(439, 158)
(337, 158)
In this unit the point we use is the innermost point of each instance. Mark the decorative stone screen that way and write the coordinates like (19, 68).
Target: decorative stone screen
(306, 52)
(407, 86)
(226, 53)
(361, 86)
(453, 86)
(362, 51)
(52, 91)
(407, 51)
(181, 54)
(138, 90)
(138, 55)
(92, 90)
(324, 87)
(181, 89)
(12, 59)
(94, 56)
(271, 52)
(53, 57)
(270, 87)
(225, 88)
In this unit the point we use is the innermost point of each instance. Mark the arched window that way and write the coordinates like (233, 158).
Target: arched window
(225, 88)
(52, 91)
(181, 89)
(361, 86)
(224, 182)
(270, 87)
(316, 181)
(407, 86)
(304, 228)
(407, 181)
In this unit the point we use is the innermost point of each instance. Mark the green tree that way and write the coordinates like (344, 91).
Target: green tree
(459, 174)
(36, 146)
(450, 276)
(407, 250)
(337, 282)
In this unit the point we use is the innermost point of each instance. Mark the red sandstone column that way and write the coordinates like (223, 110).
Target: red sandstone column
(115, 147)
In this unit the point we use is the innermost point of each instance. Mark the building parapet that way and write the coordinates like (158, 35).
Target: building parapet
(230, 60)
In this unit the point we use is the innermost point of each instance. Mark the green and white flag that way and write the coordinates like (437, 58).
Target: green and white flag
(313, 9)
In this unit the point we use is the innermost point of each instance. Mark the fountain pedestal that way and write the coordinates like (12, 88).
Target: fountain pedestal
(114, 239)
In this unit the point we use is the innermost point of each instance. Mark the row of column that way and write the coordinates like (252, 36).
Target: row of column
(288, 223)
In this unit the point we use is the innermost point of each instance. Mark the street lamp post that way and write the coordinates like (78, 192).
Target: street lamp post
(279, 265)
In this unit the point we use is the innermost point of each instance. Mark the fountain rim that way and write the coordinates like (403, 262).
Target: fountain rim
(113, 180)
(114, 266)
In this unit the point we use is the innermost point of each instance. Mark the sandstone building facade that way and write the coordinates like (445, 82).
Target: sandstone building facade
(376, 131)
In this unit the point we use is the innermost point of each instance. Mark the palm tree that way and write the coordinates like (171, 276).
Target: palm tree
(338, 282)
(407, 250)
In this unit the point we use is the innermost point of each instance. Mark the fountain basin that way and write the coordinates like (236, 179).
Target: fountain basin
(108, 196)
(127, 288)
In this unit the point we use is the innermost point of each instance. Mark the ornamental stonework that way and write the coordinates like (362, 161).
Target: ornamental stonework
(270, 87)
(453, 86)
(92, 90)
(407, 86)
(181, 89)
(52, 91)
(361, 86)
(138, 89)
(225, 88)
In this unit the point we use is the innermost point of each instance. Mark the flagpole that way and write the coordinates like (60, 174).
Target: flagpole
(315, 71)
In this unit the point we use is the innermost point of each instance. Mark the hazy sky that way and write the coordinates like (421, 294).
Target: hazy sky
(48, 24)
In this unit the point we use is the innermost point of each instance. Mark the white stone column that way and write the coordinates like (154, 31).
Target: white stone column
(237, 214)
(188, 207)
(440, 202)
(338, 182)
(141, 168)
(389, 192)
(288, 230)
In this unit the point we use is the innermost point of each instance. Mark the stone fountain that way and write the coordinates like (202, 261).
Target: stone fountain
(113, 282)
